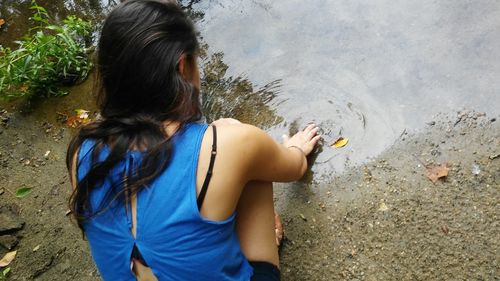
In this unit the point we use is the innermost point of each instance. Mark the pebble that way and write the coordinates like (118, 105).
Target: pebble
(10, 224)
(494, 156)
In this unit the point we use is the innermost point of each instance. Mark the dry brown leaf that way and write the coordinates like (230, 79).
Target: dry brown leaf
(8, 258)
(73, 121)
(24, 88)
(81, 118)
(2, 22)
(435, 172)
(340, 142)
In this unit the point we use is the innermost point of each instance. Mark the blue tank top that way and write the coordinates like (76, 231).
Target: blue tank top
(173, 238)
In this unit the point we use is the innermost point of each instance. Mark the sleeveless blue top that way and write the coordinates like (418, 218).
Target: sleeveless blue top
(173, 238)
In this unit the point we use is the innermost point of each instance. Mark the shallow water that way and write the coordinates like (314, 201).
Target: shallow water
(364, 71)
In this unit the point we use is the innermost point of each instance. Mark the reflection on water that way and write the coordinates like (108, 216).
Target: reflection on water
(235, 97)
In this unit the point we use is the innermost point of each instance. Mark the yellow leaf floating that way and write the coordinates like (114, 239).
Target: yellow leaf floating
(340, 142)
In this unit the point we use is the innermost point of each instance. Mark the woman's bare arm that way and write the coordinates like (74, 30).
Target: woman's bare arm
(265, 159)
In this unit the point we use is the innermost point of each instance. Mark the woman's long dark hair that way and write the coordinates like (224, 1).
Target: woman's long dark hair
(140, 87)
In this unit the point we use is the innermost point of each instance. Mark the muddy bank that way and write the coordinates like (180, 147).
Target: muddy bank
(387, 221)
(384, 220)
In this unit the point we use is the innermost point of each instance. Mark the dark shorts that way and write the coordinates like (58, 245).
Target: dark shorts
(265, 271)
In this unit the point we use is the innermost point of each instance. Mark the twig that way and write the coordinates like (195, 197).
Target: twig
(418, 159)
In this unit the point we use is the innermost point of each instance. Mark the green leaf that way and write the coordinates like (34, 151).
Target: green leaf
(5, 271)
(23, 191)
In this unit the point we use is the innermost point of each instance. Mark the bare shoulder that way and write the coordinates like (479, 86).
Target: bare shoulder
(237, 145)
(240, 137)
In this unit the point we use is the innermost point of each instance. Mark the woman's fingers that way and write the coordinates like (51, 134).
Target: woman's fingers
(306, 139)
(313, 132)
(315, 139)
(309, 127)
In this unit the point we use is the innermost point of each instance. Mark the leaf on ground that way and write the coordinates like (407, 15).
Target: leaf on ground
(8, 258)
(6, 271)
(23, 191)
(81, 118)
(435, 172)
(340, 142)
(73, 121)
(2, 22)
(24, 88)
(82, 113)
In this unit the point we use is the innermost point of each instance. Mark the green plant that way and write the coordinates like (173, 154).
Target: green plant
(5, 272)
(48, 57)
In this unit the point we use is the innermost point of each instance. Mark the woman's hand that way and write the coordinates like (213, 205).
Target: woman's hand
(305, 140)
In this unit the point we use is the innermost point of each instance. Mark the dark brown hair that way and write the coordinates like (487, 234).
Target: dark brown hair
(140, 87)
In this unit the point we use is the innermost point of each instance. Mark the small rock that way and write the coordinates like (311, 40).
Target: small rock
(9, 224)
(475, 169)
(383, 207)
(494, 156)
(8, 241)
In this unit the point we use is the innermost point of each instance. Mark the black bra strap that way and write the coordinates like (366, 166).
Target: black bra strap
(204, 187)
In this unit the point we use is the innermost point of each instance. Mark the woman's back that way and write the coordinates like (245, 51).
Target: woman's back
(173, 238)
(140, 207)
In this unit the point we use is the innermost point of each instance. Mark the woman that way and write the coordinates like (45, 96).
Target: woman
(156, 189)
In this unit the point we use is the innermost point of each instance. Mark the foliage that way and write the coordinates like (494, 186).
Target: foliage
(23, 191)
(48, 57)
(5, 272)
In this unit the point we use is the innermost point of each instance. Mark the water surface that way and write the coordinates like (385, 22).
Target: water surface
(366, 70)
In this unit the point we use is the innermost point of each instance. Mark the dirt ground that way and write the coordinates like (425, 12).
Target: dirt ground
(382, 221)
